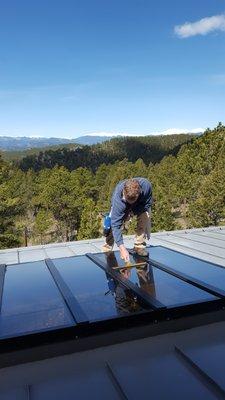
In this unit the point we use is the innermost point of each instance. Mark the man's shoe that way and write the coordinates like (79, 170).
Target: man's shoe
(141, 251)
(106, 248)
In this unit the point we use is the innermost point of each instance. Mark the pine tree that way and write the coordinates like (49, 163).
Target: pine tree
(90, 225)
(10, 208)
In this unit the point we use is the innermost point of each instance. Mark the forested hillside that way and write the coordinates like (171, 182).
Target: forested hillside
(60, 203)
(149, 148)
(17, 155)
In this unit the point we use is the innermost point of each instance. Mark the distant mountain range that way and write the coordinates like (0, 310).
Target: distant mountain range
(8, 143)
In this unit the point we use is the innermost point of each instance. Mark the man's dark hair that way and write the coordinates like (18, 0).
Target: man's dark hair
(131, 190)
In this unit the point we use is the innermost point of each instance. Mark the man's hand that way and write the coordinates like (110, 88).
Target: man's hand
(124, 253)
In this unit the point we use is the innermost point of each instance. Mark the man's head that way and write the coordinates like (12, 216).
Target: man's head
(131, 190)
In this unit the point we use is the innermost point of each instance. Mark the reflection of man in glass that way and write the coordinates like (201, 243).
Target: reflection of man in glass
(144, 274)
(125, 300)
(146, 279)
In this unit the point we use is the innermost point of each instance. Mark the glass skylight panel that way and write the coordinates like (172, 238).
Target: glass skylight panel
(99, 295)
(165, 288)
(31, 301)
(75, 291)
(193, 267)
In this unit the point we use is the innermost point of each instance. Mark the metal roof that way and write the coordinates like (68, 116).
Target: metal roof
(182, 365)
(182, 362)
(205, 243)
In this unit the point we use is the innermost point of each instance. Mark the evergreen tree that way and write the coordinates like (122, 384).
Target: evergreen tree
(42, 224)
(10, 207)
(209, 206)
(162, 216)
(90, 225)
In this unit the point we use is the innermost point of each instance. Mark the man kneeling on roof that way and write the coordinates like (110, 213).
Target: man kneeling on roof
(130, 197)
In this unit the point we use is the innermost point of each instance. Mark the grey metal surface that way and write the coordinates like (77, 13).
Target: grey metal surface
(58, 252)
(205, 243)
(203, 239)
(9, 257)
(96, 385)
(141, 369)
(156, 378)
(187, 242)
(83, 248)
(20, 393)
(204, 359)
(31, 255)
(211, 235)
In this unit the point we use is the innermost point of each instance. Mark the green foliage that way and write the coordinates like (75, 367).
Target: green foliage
(90, 224)
(60, 203)
(43, 222)
(10, 207)
(56, 195)
(162, 217)
(209, 207)
(149, 148)
(16, 155)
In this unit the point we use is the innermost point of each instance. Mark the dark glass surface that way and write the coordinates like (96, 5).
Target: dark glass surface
(31, 301)
(164, 287)
(201, 270)
(100, 296)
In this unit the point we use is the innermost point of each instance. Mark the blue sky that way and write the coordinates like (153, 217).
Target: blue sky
(69, 68)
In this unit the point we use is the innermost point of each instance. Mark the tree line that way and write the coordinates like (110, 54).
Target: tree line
(150, 148)
(61, 204)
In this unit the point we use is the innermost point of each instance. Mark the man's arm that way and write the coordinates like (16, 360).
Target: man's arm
(117, 216)
(148, 198)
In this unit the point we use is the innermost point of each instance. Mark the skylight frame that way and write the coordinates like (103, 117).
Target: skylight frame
(85, 329)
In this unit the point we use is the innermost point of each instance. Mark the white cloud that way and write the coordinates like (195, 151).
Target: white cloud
(201, 27)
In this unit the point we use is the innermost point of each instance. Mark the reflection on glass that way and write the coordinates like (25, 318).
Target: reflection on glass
(125, 302)
(193, 267)
(31, 301)
(99, 295)
(164, 287)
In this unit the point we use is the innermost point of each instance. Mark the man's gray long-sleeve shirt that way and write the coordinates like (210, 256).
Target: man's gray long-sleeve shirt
(120, 208)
